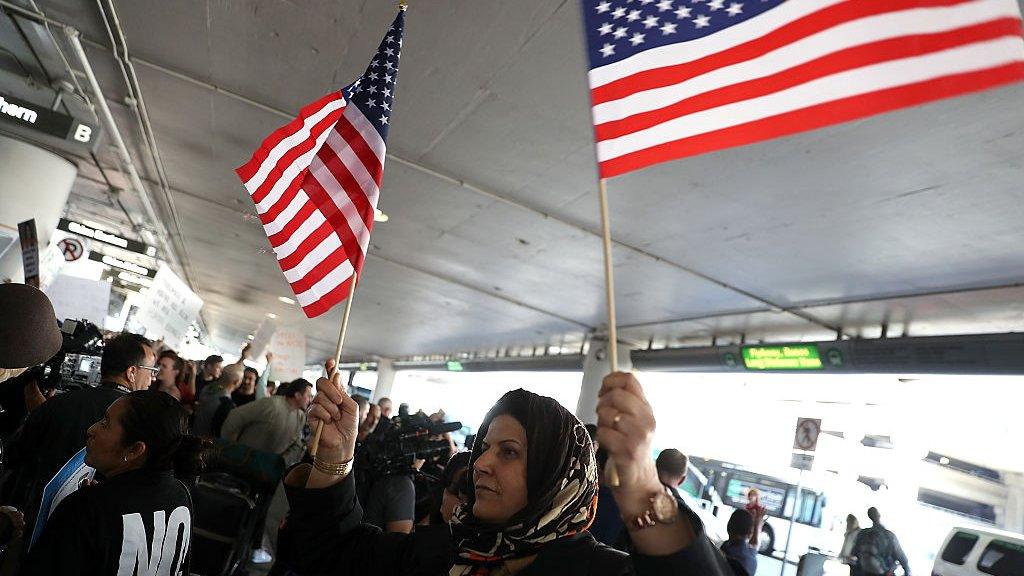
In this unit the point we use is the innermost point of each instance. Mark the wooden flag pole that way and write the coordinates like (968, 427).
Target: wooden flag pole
(609, 279)
(314, 445)
(611, 471)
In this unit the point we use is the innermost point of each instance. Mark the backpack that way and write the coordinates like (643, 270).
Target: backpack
(874, 551)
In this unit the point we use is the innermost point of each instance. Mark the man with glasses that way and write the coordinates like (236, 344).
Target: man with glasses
(56, 431)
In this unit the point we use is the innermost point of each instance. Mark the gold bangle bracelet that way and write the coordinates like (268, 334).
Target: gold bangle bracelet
(331, 468)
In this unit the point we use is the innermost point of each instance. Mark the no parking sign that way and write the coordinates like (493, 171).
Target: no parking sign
(71, 248)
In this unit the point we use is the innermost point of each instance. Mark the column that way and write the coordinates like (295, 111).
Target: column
(596, 366)
(385, 380)
(35, 183)
(1013, 517)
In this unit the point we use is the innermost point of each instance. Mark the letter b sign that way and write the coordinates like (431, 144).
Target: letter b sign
(83, 133)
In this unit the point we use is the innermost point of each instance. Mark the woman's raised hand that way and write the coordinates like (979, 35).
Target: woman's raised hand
(340, 415)
(625, 429)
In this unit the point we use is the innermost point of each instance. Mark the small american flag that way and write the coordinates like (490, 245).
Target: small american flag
(316, 181)
(676, 78)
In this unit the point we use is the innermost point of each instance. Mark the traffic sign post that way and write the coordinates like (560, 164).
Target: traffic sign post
(796, 511)
(805, 440)
(807, 431)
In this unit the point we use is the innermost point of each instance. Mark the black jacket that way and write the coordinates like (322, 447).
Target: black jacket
(55, 431)
(108, 529)
(51, 435)
(325, 527)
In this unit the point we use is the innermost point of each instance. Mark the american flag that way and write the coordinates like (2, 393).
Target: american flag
(316, 181)
(676, 78)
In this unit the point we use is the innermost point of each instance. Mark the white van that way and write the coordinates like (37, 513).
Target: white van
(980, 552)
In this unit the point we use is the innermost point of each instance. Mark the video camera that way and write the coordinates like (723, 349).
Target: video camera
(76, 364)
(406, 437)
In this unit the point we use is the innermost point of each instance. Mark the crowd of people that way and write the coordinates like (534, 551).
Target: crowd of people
(98, 480)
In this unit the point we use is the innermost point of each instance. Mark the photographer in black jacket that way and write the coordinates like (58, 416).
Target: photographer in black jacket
(56, 431)
(138, 519)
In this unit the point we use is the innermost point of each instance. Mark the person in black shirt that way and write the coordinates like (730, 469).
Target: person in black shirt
(56, 431)
(246, 391)
(212, 367)
(535, 483)
(737, 548)
(138, 519)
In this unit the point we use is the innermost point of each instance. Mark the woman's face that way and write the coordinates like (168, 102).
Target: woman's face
(499, 474)
(167, 375)
(104, 444)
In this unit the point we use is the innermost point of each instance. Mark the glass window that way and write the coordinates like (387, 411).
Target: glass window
(692, 486)
(959, 547)
(1002, 559)
(772, 497)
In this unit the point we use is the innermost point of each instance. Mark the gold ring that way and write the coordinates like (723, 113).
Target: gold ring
(615, 421)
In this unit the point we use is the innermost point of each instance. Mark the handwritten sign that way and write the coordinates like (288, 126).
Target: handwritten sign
(168, 308)
(289, 348)
(68, 479)
(261, 340)
(79, 298)
(29, 251)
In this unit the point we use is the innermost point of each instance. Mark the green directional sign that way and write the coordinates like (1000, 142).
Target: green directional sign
(792, 357)
(454, 366)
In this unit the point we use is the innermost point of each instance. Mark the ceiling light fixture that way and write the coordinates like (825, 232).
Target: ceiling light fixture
(249, 337)
(379, 216)
(271, 315)
(286, 300)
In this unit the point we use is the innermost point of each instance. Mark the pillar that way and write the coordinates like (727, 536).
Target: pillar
(34, 183)
(596, 366)
(385, 380)
(1013, 516)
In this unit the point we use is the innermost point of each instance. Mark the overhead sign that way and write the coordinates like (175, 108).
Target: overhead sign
(792, 357)
(106, 237)
(168, 308)
(40, 119)
(71, 248)
(289, 348)
(807, 431)
(802, 461)
(29, 251)
(454, 366)
(122, 264)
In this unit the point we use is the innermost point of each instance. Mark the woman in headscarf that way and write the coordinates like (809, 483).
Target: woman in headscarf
(535, 489)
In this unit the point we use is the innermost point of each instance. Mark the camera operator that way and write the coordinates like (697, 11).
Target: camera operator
(56, 431)
(391, 461)
(28, 336)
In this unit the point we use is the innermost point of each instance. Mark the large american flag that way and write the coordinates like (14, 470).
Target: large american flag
(676, 78)
(315, 181)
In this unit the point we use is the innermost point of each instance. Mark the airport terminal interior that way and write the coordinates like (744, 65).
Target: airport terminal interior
(318, 240)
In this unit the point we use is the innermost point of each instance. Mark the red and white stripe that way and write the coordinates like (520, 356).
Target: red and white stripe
(802, 65)
(315, 184)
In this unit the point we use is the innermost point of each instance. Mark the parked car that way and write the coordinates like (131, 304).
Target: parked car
(980, 552)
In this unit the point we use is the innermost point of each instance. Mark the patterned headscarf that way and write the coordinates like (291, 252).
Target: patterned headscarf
(561, 480)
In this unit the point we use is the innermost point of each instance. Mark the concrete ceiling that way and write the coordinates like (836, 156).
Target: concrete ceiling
(911, 218)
